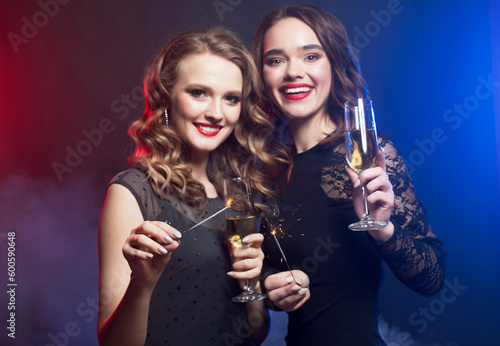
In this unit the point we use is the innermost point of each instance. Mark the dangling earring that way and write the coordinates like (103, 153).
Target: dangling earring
(166, 117)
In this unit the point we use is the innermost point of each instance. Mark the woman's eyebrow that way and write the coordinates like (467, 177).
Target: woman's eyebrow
(273, 52)
(311, 46)
(278, 51)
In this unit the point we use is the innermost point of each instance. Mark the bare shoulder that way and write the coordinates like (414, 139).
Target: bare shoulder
(120, 202)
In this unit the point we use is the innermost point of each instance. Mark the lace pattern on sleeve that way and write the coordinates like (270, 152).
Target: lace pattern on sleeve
(413, 253)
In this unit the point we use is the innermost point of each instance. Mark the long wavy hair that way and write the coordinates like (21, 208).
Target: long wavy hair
(249, 151)
(347, 81)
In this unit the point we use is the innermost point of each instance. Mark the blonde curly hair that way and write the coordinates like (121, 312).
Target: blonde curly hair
(250, 150)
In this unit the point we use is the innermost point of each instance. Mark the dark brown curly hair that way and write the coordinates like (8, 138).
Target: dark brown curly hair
(250, 150)
(347, 81)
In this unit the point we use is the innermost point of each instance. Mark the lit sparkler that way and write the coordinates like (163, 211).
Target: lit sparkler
(273, 232)
(229, 204)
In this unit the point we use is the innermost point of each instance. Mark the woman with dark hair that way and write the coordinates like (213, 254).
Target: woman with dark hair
(309, 71)
(201, 124)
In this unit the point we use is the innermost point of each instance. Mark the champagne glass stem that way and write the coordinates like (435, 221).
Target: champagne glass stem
(366, 213)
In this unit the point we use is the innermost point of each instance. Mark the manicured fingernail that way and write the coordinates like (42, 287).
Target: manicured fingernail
(246, 239)
(177, 234)
(230, 274)
(149, 255)
(289, 279)
(295, 289)
(357, 183)
(162, 250)
(168, 239)
(302, 291)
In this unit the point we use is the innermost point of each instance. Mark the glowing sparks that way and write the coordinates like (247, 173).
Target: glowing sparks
(276, 228)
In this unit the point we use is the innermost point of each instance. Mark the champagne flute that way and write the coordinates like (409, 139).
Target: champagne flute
(240, 222)
(361, 142)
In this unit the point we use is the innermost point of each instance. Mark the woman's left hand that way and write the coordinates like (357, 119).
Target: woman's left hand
(247, 262)
(379, 193)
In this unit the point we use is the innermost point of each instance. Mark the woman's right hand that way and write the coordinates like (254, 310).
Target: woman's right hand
(148, 249)
(285, 293)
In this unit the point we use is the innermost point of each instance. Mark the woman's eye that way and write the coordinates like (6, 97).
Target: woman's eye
(197, 93)
(274, 61)
(311, 58)
(233, 99)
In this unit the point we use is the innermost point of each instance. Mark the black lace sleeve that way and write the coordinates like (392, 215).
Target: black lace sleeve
(413, 253)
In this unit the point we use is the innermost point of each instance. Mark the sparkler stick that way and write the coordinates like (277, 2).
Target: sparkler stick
(217, 213)
(273, 232)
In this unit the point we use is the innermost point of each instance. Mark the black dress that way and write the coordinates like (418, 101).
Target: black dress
(191, 303)
(345, 267)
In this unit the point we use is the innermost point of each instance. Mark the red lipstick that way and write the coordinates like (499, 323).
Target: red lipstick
(208, 130)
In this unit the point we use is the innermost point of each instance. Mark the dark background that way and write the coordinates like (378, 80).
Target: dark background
(71, 75)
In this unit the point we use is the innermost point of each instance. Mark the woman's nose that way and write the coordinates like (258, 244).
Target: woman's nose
(294, 69)
(214, 111)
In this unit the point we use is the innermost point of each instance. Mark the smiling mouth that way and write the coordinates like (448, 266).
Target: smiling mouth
(296, 93)
(208, 130)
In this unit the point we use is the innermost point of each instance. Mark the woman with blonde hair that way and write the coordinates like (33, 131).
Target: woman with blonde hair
(201, 124)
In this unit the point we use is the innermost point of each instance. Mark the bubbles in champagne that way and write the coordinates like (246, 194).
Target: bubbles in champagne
(360, 157)
(239, 228)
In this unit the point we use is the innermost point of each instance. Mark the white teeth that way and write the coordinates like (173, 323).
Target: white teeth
(297, 90)
(208, 128)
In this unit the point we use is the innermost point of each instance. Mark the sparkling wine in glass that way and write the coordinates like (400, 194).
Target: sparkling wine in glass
(240, 222)
(361, 142)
